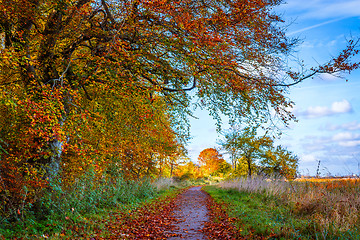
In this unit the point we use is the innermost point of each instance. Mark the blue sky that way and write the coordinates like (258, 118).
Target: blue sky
(328, 108)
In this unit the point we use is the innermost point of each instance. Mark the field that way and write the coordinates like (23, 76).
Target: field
(304, 208)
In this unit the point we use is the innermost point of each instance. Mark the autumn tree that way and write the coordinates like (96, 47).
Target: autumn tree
(73, 72)
(167, 163)
(188, 170)
(278, 161)
(212, 162)
(258, 153)
(246, 146)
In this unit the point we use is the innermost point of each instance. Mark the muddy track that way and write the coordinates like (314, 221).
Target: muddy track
(192, 213)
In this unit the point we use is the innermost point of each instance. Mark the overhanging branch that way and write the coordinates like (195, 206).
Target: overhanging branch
(167, 89)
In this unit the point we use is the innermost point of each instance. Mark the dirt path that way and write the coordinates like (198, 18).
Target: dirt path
(192, 213)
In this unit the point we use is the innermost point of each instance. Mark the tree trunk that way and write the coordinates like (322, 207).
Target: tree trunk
(233, 161)
(171, 169)
(53, 168)
(249, 166)
(57, 147)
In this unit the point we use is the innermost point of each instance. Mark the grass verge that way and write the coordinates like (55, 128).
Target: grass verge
(263, 216)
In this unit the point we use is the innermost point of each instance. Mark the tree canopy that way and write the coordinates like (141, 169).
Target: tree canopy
(279, 161)
(246, 147)
(212, 162)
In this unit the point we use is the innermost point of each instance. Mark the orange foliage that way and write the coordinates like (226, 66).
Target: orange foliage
(188, 171)
(211, 161)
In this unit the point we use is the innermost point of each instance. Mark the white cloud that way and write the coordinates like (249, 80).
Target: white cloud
(329, 77)
(347, 139)
(314, 147)
(350, 126)
(350, 143)
(308, 158)
(321, 111)
(336, 152)
(343, 136)
(317, 143)
(317, 111)
(341, 107)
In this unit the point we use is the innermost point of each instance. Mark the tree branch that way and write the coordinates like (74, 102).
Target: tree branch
(108, 13)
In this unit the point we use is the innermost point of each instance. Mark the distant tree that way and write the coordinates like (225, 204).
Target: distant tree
(212, 162)
(258, 154)
(224, 169)
(168, 164)
(246, 146)
(189, 170)
(279, 161)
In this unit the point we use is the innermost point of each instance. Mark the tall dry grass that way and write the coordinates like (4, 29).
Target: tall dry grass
(334, 205)
(161, 184)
